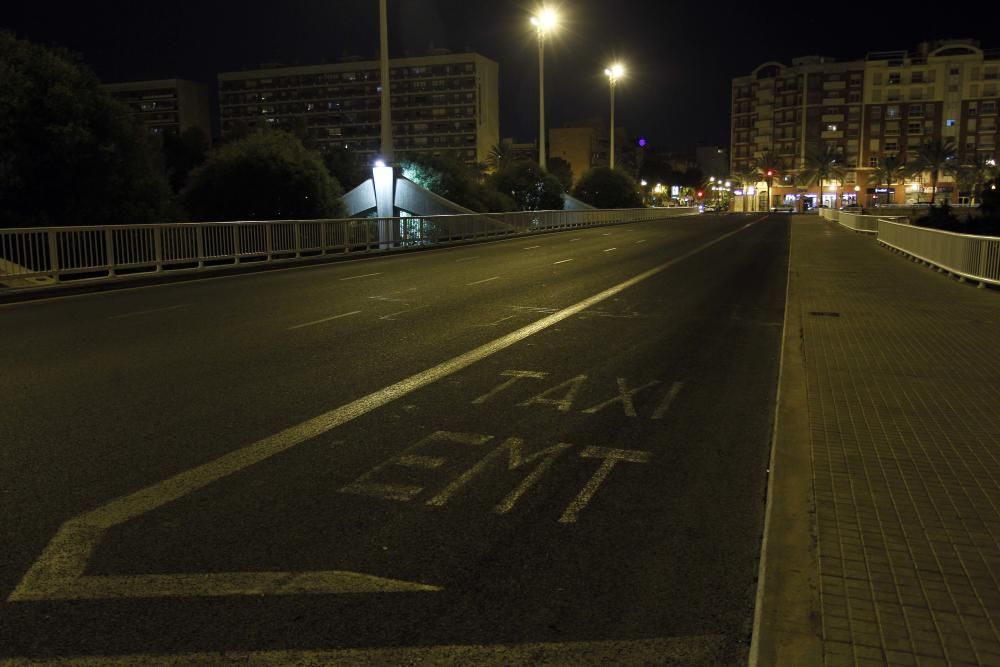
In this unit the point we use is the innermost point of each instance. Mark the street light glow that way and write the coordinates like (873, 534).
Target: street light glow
(615, 72)
(545, 20)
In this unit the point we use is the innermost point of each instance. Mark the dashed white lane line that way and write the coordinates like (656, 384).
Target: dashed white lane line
(146, 312)
(610, 249)
(576, 239)
(325, 319)
(391, 317)
(466, 259)
(606, 234)
(532, 247)
(642, 241)
(480, 282)
(561, 261)
(367, 275)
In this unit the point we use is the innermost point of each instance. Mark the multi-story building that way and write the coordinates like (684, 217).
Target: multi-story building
(888, 104)
(442, 104)
(167, 106)
(587, 145)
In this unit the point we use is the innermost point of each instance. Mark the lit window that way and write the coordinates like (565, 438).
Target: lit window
(950, 122)
(831, 128)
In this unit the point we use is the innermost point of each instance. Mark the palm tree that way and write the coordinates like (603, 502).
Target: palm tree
(890, 170)
(937, 158)
(746, 178)
(768, 165)
(976, 173)
(822, 166)
(501, 156)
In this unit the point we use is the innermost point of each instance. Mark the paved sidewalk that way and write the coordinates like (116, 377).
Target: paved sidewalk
(901, 368)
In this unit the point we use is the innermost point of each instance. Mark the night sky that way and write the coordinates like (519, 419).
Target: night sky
(681, 54)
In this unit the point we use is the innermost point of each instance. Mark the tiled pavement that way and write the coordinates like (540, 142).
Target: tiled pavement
(902, 368)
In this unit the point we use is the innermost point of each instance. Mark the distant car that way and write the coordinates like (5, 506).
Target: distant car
(783, 208)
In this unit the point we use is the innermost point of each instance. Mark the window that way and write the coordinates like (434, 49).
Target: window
(894, 78)
(917, 77)
(892, 111)
(877, 78)
(892, 128)
(891, 146)
(972, 109)
(831, 128)
(950, 122)
(873, 161)
(989, 107)
(876, 113)
(953, 71)
(916, 110)
(913, 127)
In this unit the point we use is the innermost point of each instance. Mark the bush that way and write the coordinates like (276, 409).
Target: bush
(530, 187)
(603, 187)
(456, 182)
(69, 153)
(269, 175)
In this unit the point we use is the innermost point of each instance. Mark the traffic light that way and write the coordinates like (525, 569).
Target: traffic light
(770, 173)
(700, 194)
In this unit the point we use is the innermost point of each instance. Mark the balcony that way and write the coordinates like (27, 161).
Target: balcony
(832, 134)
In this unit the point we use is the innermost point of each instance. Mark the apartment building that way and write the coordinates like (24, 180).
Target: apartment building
(166, 106)
(887, 104)
(587, 144)
(443, 104)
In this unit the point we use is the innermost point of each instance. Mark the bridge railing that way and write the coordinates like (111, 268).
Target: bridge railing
(41, 257)
(867, 224)
(970, 257)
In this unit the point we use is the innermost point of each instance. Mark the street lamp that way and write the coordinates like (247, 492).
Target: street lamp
(544, 21)
(614, 73)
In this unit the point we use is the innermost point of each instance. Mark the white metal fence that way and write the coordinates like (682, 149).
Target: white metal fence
(34, 258)
(859, 223)
(970, 257)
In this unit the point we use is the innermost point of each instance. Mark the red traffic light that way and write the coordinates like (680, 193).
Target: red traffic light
(770, 173)
(700, 194)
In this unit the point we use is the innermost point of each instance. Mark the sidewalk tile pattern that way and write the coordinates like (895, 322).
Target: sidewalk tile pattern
(903, 377)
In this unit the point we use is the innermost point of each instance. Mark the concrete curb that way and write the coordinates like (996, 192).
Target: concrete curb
(787, 626)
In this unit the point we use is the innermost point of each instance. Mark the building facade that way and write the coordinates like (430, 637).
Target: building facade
(886, 105)
(442, 104)
(166, 106)
(587, 145)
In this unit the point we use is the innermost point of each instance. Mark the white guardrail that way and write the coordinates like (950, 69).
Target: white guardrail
(867, 224)
(45, 257)
(967, 256)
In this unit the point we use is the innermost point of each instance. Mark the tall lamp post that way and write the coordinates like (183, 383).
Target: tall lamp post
(544, 21)
(613, 73)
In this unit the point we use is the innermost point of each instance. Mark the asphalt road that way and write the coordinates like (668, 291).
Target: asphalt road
(477, 454)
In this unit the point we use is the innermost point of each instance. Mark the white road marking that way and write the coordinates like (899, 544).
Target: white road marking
(466, 259)
(514, 377)
(147, 312)
(58, 573)
(576, 239)
(610, 249)
(493, 324)
(606, 234)
(325, 319)
(562, 261)
(367, 275)
(569, 388)
(611, 458)
(642, 241)
(391, 317)
(675, 389)
(480, 282)
(624, 396)
(533, 247)
(689, 650)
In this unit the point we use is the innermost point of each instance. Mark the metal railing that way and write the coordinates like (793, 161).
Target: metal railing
(969, 257)
(867, 224)
(45, 257)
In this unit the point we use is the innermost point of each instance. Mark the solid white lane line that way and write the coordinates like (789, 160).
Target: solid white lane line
(533, 247)
(562, 261)
(325, 319)
(466, 259)
(147, 312)
(610, 249)
(367, 275)
(59, 572)
(480, 282)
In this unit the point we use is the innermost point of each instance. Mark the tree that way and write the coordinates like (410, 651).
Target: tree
(345, 165)
(603, 187)
(501, 156)
(562, 170)
(69, 153)
(821, 166)
(937, 158)
(269, 175)
(456, 182)
(768, 165)
(182, 153)
(890, 170)
(746, 178)
(530, 187)
(975, 173)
